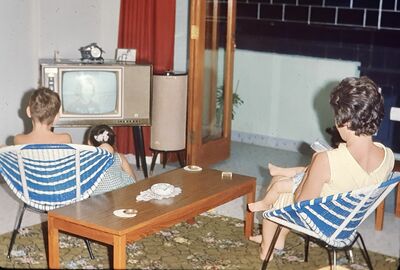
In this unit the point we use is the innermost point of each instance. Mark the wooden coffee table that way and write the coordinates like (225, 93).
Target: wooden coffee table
(94, 219)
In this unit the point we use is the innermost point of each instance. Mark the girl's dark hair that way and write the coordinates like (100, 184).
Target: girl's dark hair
(357, 101)
(101, 134)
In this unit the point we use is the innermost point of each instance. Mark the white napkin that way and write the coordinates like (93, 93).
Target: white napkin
(148, 195)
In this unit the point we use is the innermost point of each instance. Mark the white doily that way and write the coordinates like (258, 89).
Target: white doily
(148, 195)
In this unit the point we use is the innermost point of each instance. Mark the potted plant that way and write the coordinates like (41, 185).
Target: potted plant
(236, 102)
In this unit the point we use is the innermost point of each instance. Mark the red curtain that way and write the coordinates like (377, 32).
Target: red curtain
(149, 27)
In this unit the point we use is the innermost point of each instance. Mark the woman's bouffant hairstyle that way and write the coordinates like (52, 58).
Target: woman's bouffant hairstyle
(44, 105)
(101, 134)
(357, 101)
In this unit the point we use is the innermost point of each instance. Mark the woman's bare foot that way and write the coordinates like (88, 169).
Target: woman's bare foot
(281, 171)
(256, 238)
(273, 170)
(263, 254)
(258, 206)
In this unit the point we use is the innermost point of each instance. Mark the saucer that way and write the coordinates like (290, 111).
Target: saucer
(125, 213)
(192, 168)
(163, 189)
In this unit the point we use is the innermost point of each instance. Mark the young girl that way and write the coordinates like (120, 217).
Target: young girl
(120, 173)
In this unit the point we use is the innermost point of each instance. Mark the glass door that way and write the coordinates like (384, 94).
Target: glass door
(212, 25)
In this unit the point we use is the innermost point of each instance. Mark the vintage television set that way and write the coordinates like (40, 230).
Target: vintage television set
(116, 94)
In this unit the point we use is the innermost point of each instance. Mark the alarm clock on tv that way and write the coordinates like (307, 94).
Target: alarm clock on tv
(92, 53)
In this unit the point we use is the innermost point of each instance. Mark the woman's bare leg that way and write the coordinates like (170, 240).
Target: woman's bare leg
(288, 172)
(265, 239)
(268, 231)
(280, 242)
(256, 238)
(276, 188)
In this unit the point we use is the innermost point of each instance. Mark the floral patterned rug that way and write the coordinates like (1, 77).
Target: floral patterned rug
(213, 242)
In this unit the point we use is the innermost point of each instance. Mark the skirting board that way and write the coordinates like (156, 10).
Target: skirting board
(132, 159)
(267, 141)
(279, 143)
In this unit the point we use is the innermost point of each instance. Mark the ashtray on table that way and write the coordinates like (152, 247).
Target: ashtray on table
(162, 189)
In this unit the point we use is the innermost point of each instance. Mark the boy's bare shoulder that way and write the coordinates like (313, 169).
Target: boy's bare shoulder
(65, 137)
(21, 139)
(45, 138)
(59, 138)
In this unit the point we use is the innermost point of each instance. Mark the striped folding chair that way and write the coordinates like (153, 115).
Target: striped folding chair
(48, 176)
(331, 221)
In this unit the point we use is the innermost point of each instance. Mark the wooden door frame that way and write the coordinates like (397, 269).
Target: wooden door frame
(216, 150)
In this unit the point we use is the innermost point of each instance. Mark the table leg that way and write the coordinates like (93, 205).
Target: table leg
(119, 252)
(249, 216)
(54, 252)
(191, 221)
(379, 214)
(397, 205)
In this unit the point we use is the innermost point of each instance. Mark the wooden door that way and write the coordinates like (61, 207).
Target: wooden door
(212, 28)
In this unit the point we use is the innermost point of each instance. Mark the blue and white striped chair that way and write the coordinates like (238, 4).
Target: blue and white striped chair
(48, 176)
(331, 221)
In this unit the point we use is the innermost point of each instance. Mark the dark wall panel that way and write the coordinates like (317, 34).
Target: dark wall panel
(341, 33)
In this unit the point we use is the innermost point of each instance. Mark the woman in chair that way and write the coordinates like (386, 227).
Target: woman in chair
(359, 162)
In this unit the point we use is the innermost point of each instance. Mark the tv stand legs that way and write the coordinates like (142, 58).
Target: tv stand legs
(139, 149)
(164, 154)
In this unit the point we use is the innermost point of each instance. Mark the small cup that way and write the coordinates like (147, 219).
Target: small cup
(226, 175)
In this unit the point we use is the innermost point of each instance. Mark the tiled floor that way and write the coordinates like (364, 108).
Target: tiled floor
(249, 160)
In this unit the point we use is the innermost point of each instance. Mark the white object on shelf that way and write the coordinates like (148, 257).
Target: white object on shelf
(125, 55)
(395, 114)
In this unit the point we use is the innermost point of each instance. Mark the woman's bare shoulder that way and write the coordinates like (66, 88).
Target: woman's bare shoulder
(320, 166)
(321, 158)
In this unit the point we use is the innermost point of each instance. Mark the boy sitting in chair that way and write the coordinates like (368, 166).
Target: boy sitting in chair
(43, 109)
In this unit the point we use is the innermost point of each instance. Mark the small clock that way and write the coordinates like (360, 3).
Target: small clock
(92, 52)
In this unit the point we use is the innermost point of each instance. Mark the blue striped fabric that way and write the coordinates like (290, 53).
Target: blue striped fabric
(335, 218)
(51, 172)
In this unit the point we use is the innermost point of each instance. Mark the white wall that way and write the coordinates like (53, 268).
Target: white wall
(286, 96)
(35, 29)
(68, 25)
(181, 36)
(18, 65)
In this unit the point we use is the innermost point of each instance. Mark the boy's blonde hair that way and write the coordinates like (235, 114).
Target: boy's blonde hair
(44, 105)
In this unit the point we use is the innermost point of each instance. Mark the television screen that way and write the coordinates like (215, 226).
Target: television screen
(89, 92)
